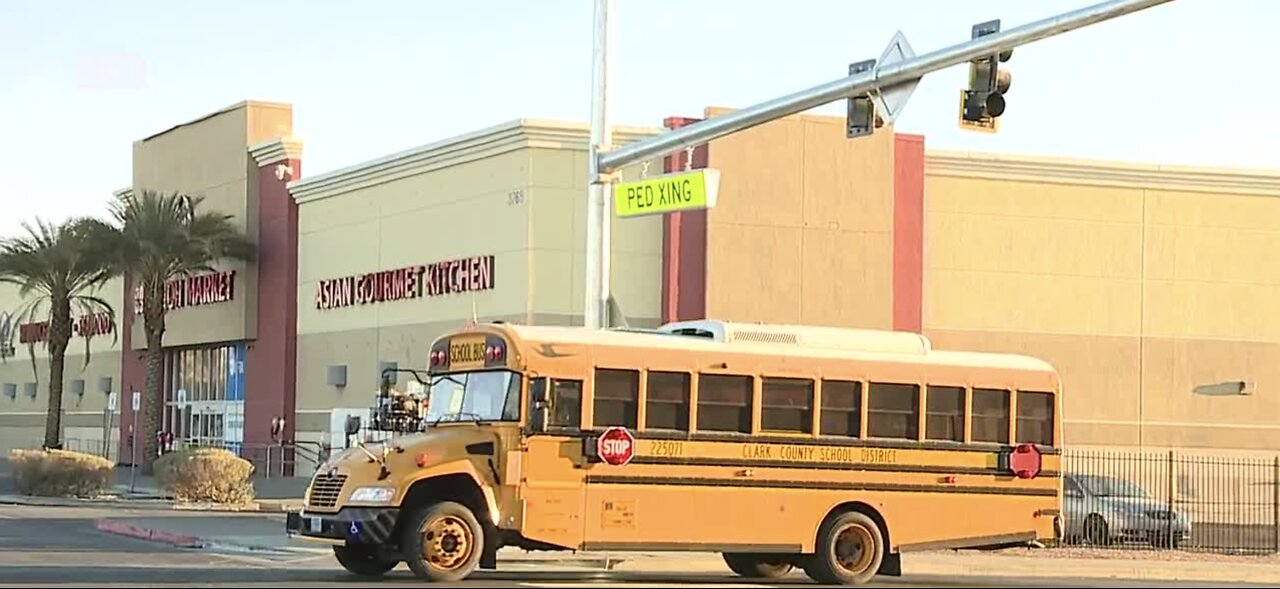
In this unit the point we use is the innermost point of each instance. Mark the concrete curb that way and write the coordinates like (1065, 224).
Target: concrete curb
(149, 534)
(261, 506)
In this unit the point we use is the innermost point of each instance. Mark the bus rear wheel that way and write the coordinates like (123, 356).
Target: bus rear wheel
(363, 560)
(443, 542)
(849, 551)
(755, 566)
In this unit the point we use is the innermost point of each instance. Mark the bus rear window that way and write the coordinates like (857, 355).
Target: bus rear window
(1035, 418)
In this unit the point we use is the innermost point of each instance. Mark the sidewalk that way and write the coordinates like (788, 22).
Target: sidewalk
(262, 532)
(143, 492)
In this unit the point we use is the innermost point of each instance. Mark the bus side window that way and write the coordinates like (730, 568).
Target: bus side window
(841, 408)
(667, 406)
(616, 399)
(894, 411)
(1035, 418)
(566, 403)
(786, 405)
(724, 403)
(945, 421)
(990, 416)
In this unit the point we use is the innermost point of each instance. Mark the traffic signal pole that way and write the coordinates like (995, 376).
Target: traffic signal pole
(596, 273)
(881, 78)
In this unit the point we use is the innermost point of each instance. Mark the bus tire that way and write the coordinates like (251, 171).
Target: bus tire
(755, 566)
(849, 550)
(443, 542)
(363, 560)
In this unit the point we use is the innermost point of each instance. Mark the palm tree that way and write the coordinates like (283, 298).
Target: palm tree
(156, 238)
(56, 269)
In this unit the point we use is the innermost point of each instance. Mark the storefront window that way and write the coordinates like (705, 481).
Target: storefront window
(204, 395)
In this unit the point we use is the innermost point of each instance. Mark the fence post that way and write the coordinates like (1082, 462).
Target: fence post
(1168, 522)
(1275, 504)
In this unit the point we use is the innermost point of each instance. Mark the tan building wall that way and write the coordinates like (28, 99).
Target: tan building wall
(22, 416)
(209, 157)
(515, 192)
(1139, 283)
(802, 232)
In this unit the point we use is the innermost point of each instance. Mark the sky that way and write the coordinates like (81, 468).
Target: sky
(1191, 82)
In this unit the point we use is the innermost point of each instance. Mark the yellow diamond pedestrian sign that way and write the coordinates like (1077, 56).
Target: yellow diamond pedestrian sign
(681, 191)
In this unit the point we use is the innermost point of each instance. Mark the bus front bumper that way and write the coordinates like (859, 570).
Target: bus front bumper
(355, 525)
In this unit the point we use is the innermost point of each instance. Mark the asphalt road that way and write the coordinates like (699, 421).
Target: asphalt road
(50, 546)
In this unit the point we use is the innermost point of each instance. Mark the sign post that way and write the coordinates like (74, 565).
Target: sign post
(133, 441)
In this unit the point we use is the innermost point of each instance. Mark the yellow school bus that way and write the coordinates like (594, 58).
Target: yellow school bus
(833, 451)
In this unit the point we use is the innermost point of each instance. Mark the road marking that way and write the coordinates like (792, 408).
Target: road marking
(254, 560)
(599, 584)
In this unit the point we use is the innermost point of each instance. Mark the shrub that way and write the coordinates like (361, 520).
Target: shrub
(59, 473)
(205, 475)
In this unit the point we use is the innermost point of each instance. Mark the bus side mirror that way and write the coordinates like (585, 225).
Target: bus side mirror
(540, 399)
(352, 425)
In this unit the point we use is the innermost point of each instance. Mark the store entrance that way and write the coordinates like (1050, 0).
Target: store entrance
(204, 395)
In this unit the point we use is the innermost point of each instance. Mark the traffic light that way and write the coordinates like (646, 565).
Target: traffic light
(983, 102)
(862, 119)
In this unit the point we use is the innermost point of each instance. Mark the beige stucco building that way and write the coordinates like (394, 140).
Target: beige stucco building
(1145, 285)
(24, 388)
(486, 226)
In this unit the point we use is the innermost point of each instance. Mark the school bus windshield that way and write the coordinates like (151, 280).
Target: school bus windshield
(492, 395)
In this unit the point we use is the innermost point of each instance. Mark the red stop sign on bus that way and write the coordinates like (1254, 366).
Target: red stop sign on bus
(616, 446)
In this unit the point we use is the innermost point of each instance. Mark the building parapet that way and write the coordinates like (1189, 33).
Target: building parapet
(1102, 173)
(477, 145)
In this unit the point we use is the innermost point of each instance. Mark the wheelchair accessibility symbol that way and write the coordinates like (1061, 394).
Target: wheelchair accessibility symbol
(354, 529)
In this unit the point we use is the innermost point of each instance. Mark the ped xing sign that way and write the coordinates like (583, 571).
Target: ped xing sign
(681, 191)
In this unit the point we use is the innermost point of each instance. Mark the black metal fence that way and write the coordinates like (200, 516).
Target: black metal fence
(1171, 500)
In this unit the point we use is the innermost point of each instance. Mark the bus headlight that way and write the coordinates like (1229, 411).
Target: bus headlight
(372, 495)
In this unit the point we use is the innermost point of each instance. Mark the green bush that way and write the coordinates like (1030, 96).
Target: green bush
(206, 475)
(59, 473)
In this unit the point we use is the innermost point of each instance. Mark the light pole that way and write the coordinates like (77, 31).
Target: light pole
(599, 190)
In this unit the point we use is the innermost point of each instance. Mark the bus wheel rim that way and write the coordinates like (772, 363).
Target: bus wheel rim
(447, 543)
(854, 548)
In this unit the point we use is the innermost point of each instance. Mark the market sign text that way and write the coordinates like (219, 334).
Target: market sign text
(94, 324)
(194, 291)
(411, 282)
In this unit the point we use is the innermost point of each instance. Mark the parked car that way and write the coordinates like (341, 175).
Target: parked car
(1101, 510)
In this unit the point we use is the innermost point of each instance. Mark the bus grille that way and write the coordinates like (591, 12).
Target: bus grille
(325, 490)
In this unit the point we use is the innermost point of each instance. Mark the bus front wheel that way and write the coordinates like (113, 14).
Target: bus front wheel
(755, 566)
(849, 551)
(443, 542)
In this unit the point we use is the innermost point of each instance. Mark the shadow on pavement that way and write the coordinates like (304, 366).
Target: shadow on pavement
(67, 535)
